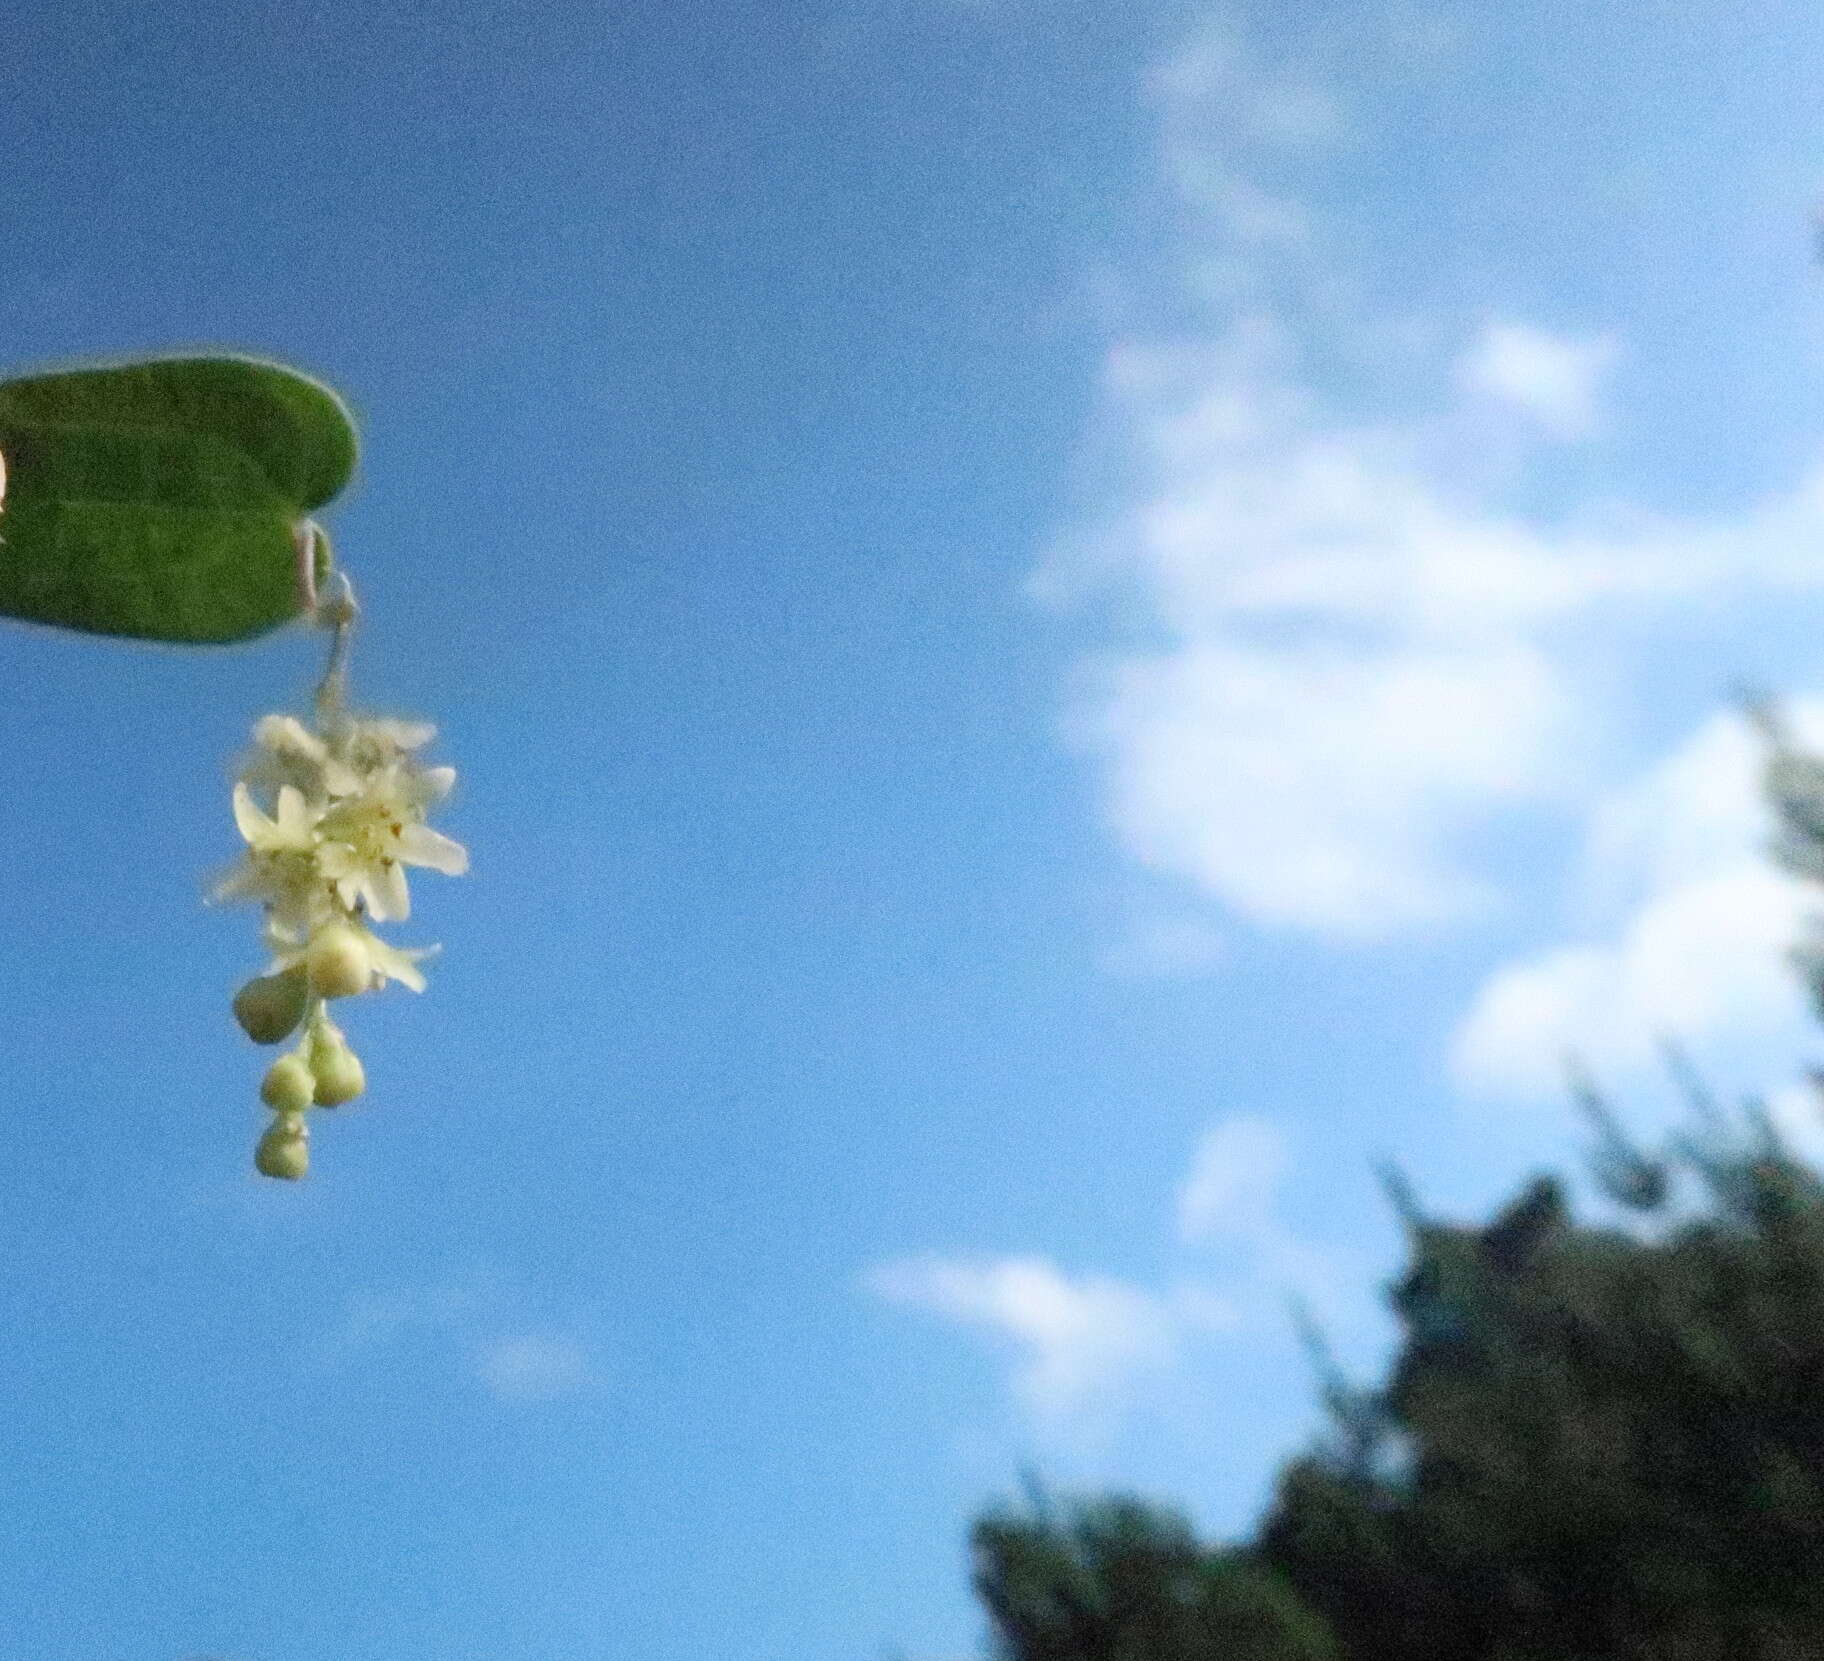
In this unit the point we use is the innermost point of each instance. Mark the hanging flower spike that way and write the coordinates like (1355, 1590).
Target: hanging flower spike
(331, 815)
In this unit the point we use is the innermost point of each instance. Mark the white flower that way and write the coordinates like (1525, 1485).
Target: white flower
(397, 963)
(280, 865)
(332, 813)
(289, 831)
(373, 743)
(369, 836)
(347, 819)
(287, 752)
(290, 947)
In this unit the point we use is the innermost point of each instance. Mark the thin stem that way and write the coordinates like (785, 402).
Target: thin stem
(332, 690)
(336, 611)
(304, 543)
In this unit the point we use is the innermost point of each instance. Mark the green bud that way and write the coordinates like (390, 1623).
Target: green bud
(336, 1068)
(284, 1150)
(288, 1086)
(338, 962)
(270, 1008)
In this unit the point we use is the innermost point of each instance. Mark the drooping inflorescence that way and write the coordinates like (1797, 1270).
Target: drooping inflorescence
(332, 814)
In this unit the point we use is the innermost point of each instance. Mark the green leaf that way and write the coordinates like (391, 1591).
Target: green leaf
(159, 500)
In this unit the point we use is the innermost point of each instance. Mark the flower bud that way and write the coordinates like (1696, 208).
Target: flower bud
(338, 962)
(270, 1007)
(284, 1150)
(288, 1086)
(336, 1068)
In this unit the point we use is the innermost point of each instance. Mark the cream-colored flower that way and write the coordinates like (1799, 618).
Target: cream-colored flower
(286, 752)
(373, 743)
(280, 864)
(369, 837)
(288, 831)
(349, 817)
(331, 818)
(290, 947)
(332, 813)
(398, 963)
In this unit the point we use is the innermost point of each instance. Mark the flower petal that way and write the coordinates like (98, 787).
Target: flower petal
(432, 784)
(400, 735)
(392, 964)
(287, 734)
(420, 845)
(294, 818)
(254, 826)
(388, 898)
(339, 779)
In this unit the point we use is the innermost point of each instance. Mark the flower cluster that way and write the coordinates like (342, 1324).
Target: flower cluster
(331, 820)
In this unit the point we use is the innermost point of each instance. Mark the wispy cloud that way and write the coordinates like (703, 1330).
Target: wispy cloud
(509, 1353)
(1078, 1344)
(532, 1366)
(1085, 1351)
(1231, 1198)
(1233, 1182)
(1555, 381)
(1343, 641)
(375, 1318)
(1690, 931)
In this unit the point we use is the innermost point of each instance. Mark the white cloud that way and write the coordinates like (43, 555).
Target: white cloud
(1086, 1351)
(1703, 963)
(1695, 814)
(1549, 377)
(1318, 788)
(476, 1328)
(1080, 1344)
(1230, 1198)
(1233, 1181)
(1343, 644)
(1797, 1112)
(1212, 86)
(532, 1367)
(1691, 927)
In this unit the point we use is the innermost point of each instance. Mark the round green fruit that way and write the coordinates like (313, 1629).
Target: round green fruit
(284, 1150)
(338, 1071)
(270, 1007)
(337, 961)
(289, 1086)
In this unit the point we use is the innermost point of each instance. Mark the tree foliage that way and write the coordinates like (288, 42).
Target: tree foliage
(1117, 1580)
(1595, 1443)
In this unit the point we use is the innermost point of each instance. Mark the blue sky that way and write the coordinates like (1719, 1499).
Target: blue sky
(1060, 625)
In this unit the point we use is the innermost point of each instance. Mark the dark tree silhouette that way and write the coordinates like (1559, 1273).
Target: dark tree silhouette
(1594, 1444)
(1116, 1580)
